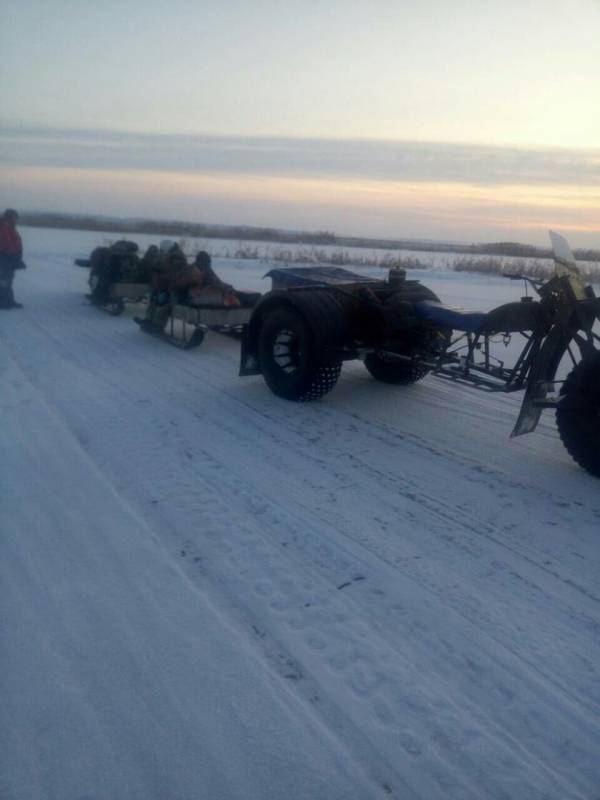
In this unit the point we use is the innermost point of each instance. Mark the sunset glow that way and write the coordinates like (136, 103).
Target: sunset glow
(429, 120)
(387, 208)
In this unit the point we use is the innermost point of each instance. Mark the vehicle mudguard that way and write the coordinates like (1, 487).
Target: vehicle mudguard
(543, 372)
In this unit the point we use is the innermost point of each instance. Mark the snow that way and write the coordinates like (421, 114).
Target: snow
(208, 592)
(239, 254)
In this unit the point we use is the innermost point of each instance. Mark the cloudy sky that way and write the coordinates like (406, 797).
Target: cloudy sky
(440, 119)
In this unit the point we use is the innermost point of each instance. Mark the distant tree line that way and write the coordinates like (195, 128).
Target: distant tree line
(250, 233)
(173, 228)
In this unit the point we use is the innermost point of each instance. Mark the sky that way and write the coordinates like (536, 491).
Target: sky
(437, 119)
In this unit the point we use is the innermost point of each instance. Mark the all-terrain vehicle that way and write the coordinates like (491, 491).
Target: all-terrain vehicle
(314, 319)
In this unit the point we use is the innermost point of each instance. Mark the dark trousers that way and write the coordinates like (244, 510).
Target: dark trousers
(7, 297)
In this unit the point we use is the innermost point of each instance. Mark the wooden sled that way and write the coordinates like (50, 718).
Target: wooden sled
(188, 322)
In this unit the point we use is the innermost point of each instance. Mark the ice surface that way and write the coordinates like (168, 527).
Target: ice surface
(208, 592)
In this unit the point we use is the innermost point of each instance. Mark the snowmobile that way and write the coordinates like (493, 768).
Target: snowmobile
(314, 319)
(117, 276)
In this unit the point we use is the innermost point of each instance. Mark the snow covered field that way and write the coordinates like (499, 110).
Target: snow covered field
(208, 592)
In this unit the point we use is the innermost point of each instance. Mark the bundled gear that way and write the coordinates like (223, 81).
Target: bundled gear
(198, 283)
(118, 275)
(189, 299)
(109, 265)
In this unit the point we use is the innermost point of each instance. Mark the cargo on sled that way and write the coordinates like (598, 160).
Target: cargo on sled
(185, 324)
(117, 276)
(190, 299)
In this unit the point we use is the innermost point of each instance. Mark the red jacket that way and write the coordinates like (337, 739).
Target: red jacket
(10, 241)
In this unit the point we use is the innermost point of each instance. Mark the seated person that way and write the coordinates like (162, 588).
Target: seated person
(163, 264)
(148, 264)
(174, 280)
(199, 282)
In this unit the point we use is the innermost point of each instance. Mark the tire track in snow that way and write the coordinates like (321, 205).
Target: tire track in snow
(411, 494)
(363, 750)
(193, 477)
(196, 513)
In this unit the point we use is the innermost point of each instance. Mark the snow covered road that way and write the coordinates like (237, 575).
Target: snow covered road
(208, 592)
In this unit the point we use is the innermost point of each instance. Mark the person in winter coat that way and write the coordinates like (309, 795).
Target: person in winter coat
(167, 261)
(199, 276)
(11, 258)
(148, 264)
(207, 278)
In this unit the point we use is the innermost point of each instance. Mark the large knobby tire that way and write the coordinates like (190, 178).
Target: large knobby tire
(578, 414)
(290, 360)
(389, 370)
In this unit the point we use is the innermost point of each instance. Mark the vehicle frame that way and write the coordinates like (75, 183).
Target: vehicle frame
(299, 336)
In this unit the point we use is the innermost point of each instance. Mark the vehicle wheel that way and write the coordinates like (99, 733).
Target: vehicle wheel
(578, 414)
(388, 370)
(289, 358)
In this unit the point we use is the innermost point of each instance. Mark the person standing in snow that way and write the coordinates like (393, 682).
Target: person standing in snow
(11, 252)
